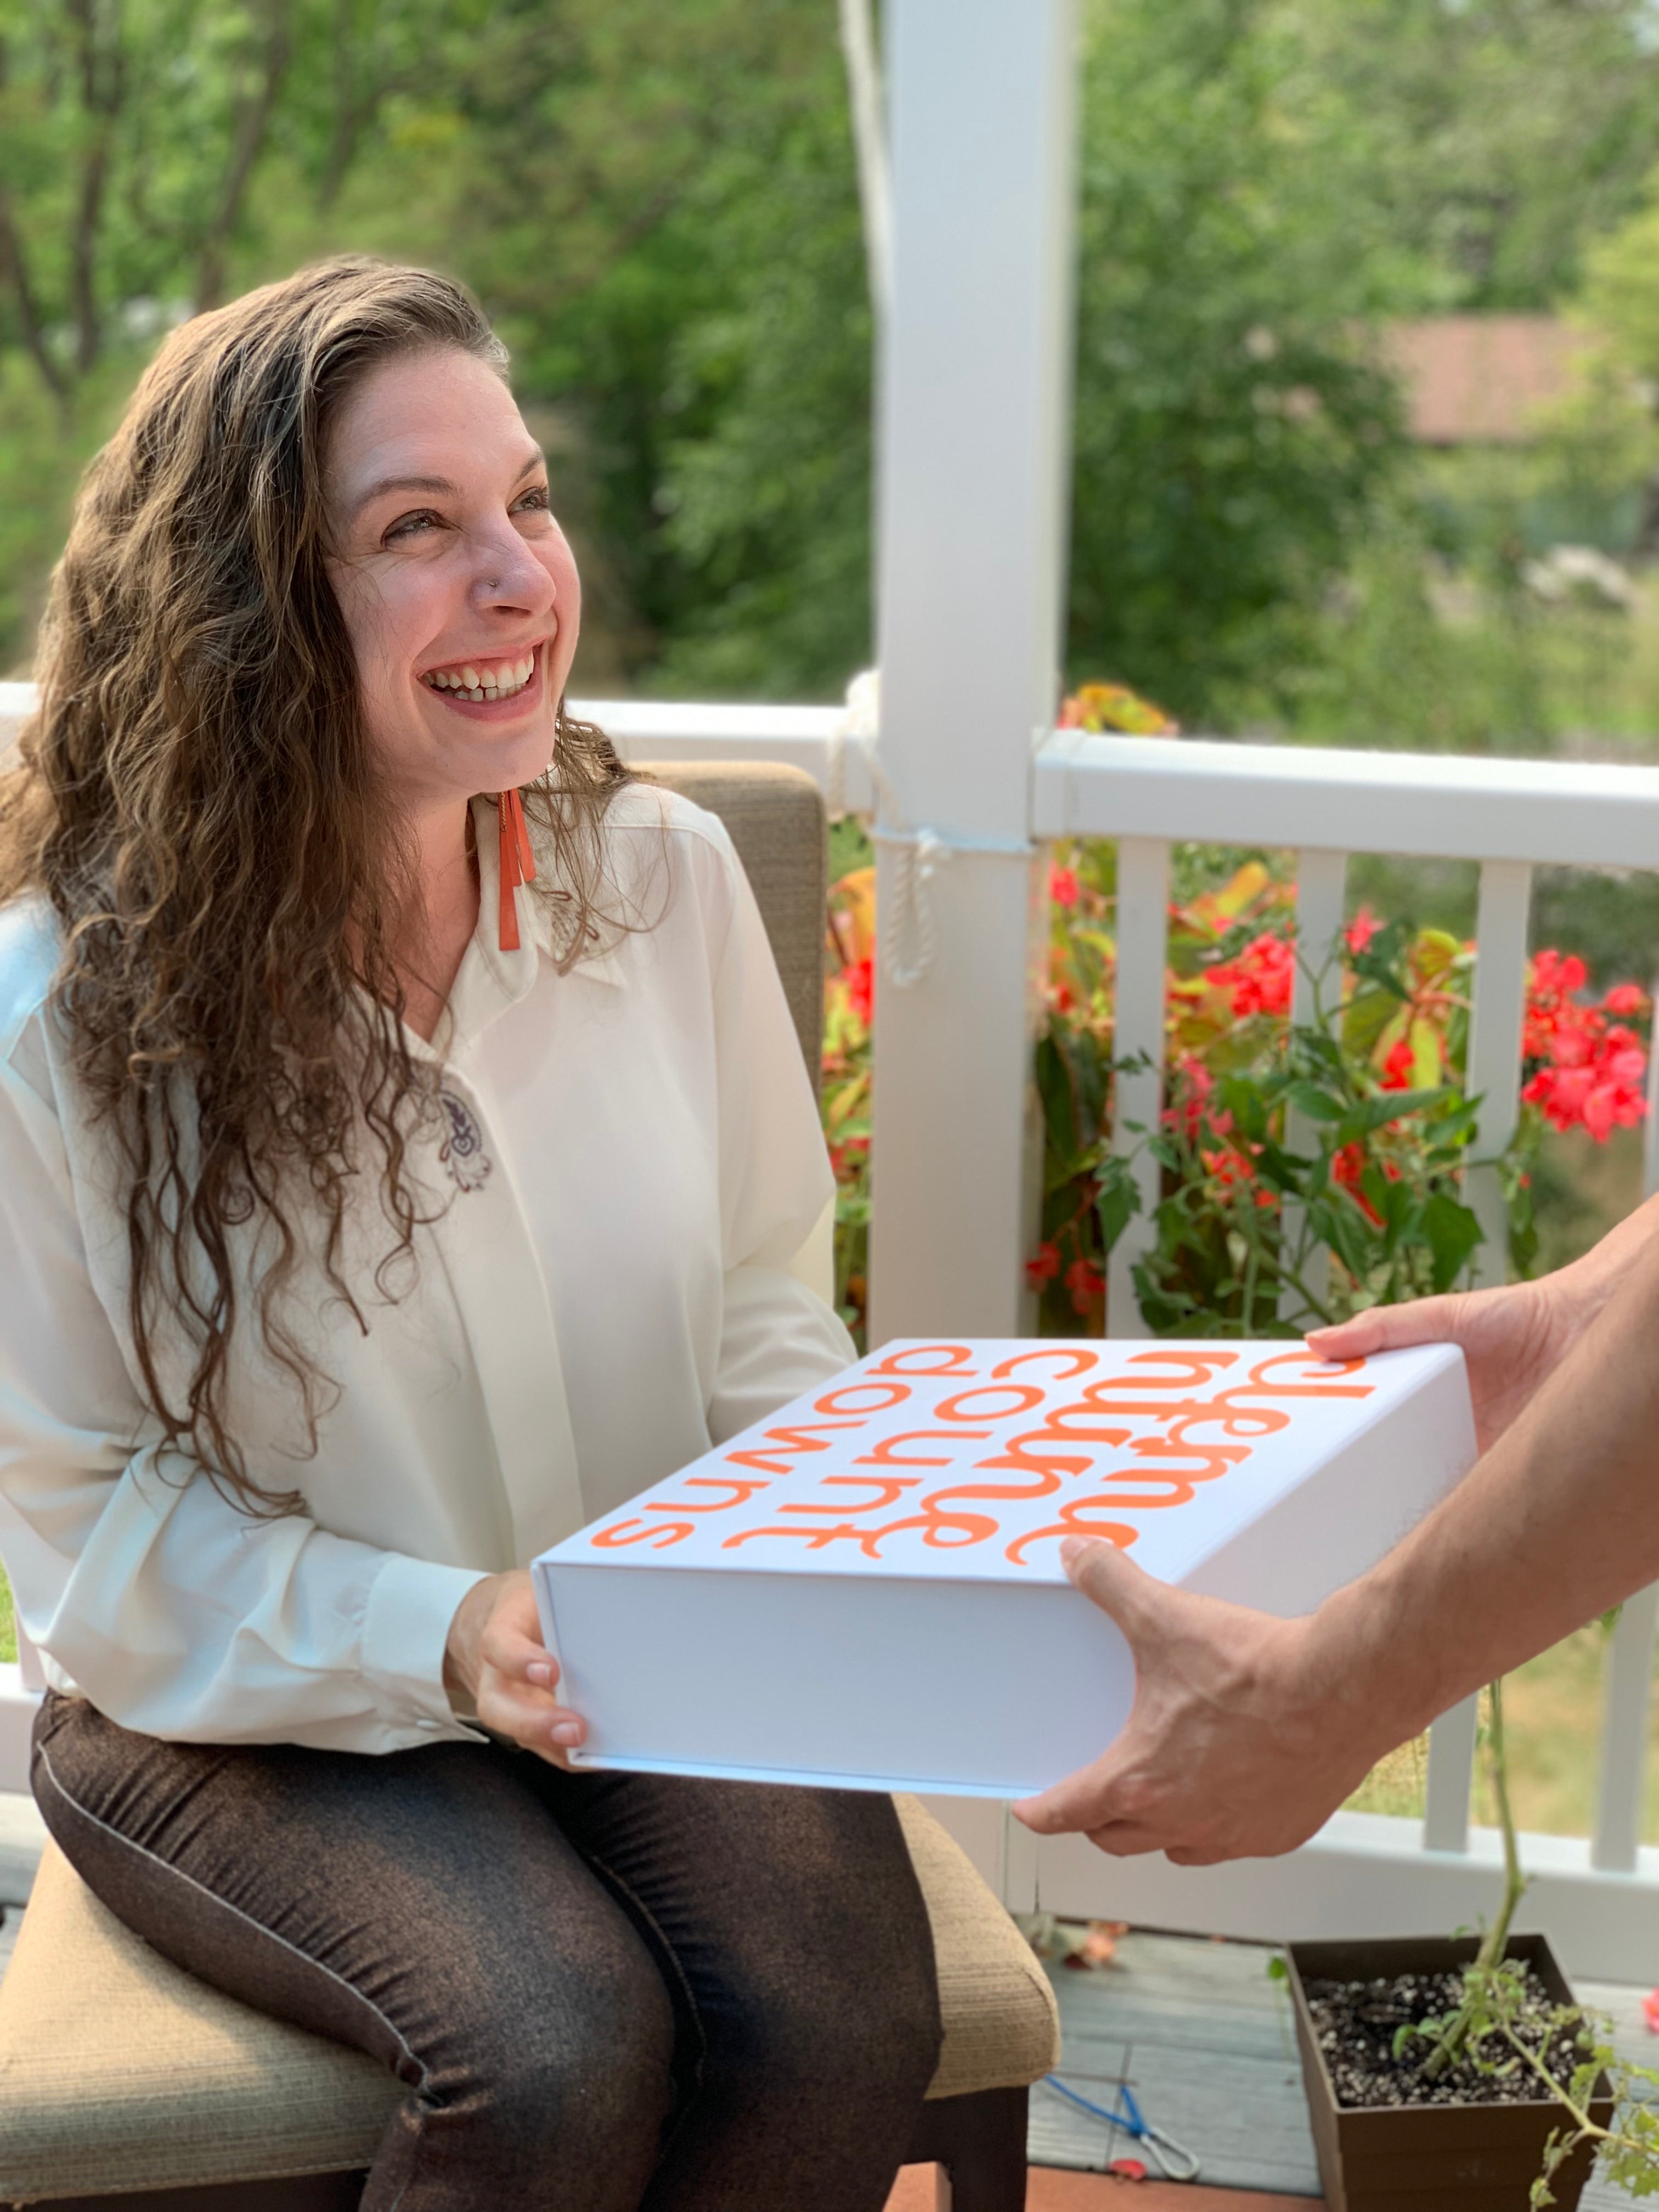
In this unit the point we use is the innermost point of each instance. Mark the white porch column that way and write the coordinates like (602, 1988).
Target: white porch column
(973, 436)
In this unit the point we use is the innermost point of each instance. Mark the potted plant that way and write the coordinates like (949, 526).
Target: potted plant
(1456, 2071)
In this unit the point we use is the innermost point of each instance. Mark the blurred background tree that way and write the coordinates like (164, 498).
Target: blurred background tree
(659, 204)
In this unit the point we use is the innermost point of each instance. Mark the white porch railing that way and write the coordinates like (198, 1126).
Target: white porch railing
(1599, 1897)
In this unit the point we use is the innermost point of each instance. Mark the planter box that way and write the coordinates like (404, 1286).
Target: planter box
(864, 1590)
(1428, 2158)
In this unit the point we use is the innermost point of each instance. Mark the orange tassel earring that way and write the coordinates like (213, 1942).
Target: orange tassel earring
(518, 864)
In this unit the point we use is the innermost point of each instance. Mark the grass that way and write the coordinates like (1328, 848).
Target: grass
(1553, 1724)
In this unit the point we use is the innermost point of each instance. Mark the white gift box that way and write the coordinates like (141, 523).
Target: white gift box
(865, 1591)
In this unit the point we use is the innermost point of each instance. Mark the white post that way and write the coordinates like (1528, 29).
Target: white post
(1143, 931)
(1494, 1062)
(973, 439)
(1451, 1775)
(1625, 1735)
(1321, 878)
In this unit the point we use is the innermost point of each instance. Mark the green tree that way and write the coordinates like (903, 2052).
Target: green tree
(139, 140)
(1487, 142)
(1234, 433)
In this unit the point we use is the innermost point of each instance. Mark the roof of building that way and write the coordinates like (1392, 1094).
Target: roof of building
(1482, 379)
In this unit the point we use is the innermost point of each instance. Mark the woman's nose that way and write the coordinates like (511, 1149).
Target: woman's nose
(506, 574)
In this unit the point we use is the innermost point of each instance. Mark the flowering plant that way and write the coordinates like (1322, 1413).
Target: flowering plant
(1305, 1169)
(1308, 1170)
(848, 1010)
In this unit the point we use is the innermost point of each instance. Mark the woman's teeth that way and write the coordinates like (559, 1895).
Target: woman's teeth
(473, 679)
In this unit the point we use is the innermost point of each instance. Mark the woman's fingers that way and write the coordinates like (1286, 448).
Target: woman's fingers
(529, 1716)
(517, 1677)
(526, 1659)
(512, 1640)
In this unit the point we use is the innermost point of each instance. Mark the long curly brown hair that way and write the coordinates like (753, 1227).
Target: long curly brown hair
(198, 800)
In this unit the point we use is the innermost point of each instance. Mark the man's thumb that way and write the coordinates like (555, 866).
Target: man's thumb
(1108, 1579)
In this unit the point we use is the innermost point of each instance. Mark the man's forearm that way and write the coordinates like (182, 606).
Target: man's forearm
(1559, 1521)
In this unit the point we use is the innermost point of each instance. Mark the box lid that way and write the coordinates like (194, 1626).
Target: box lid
(971, 1460)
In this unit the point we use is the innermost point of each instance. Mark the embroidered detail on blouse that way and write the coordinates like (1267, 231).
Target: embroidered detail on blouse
(462, 1150)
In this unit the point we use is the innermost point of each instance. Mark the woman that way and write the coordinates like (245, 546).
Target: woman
(402, 1144)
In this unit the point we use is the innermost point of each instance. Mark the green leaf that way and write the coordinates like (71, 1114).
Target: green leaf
(1317, 1105)
(1385, 1106)
(1118, 1202)
(1453, 1235)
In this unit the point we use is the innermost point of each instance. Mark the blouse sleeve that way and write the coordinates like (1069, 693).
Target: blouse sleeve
(778, 1338)
(174, 1612)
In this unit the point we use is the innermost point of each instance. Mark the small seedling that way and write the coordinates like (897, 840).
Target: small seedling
(1485, 2030)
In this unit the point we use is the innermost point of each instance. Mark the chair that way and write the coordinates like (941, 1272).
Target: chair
(127, 2086)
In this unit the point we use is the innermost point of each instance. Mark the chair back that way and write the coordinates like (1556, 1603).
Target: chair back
(776, 820)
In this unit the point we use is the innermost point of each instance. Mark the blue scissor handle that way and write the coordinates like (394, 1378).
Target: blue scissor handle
(1175, 2160)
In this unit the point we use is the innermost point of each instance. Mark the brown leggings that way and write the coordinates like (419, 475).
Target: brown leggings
(600, 1991)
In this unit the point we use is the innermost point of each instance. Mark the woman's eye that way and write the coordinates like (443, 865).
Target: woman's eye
(411, 526)
(535, 501)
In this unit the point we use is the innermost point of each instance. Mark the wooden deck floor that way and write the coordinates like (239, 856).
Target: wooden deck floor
(1051, 2190)
(1205, 2037)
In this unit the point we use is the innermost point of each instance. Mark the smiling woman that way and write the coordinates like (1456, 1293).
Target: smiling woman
(403, 1143)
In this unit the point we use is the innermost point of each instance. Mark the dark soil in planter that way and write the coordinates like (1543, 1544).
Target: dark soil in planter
(1356, 2021)
(1387, 2140)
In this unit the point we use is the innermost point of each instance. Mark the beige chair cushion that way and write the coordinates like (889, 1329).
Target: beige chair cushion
(119, 2071)
(1001, 2023)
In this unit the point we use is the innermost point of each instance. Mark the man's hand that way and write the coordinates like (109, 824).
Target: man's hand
(1512, 1338)
(495, 1652)
(1239, 1744)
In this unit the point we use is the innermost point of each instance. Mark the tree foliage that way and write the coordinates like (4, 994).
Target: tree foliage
(659, 203)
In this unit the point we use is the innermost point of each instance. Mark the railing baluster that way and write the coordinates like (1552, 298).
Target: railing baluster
(1624, 1734)
(1451, 1771)
(1143, 907)
(1322, 879)
(1494, 1064)
(1630, 1655)
(1493, 1076)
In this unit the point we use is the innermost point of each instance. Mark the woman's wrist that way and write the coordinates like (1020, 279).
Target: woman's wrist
(463, 1644)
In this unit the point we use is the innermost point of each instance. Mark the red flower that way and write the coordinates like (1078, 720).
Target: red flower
(1361, 930)
(1399, 1069)
(1650, 2011)
(1235, 1176)
(1587, 1072)
(1085, 1283)
(1259, 979)
(1189, 1092)
(860, 980)
(1348, 1165)
(1044, 1267)
(1062, 886)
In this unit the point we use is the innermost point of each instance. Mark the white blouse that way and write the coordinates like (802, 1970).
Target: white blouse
(631, 1161)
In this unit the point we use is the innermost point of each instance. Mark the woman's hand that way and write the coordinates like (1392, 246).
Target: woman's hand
(495, 1652)
(1513, 1338)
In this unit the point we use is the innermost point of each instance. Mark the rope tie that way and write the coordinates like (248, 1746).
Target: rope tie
(906, 929)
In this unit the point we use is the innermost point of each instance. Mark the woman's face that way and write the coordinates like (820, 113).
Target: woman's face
(456, 585)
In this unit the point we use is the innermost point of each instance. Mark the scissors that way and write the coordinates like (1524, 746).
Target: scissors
(1174, 2160)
